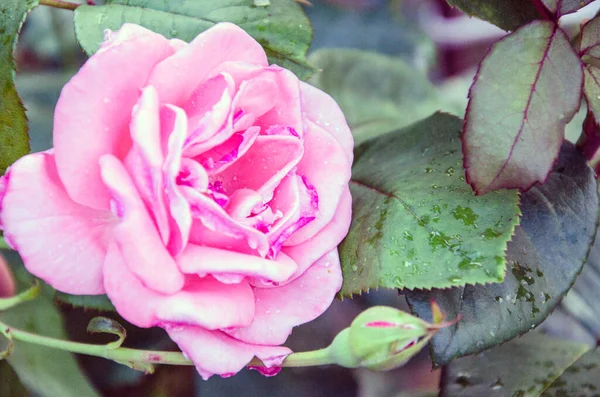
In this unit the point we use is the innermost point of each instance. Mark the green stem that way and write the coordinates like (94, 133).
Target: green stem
(121, 354)
(133, 356)
(60, 4)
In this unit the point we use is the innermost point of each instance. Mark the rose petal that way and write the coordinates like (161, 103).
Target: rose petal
(136, 234)
(178, 76)
(280, 309)
(206, 260)
(254, 98)
(208, 108)
(203, 302)
(328, 238)
(217, 159)
(94, 109)
(179, 208)
(321, 109)
(326, 167)
(213, 352)
(60, 241)
(265, 164)
(145, 160)
(287, 108)
(214, 227)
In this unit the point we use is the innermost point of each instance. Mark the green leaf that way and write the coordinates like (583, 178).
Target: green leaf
(10, 385)
(93, 302)
(562, 7)
(14, 139)
(526, 90)
(377, 93)
(281, 28)
(545, 257)
(109, 326)
(524, 367)
(506, 14)
(581, 379)
(589, 48)
(416, 223)
(46, 372)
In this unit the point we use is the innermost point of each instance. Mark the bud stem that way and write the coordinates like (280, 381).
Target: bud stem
(132, 356)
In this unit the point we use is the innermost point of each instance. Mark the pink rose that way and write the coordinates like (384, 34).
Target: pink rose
(201, 189)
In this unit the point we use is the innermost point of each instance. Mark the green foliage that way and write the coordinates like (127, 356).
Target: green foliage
(506, 14)
(416, 223)
(14, 138)
(582, 379)
(588, 47)
(545, 257)
(526, 90)
(281, 28)
(530, 366)
(377, 93)
(46, 372)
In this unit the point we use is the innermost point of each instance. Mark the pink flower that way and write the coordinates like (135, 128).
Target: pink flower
(201, 189)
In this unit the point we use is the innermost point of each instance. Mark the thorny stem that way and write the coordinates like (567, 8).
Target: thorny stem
(60, 4)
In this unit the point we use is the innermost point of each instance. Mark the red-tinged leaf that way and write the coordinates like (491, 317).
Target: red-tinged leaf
(526, 90)
(590, 39)
(563, 7)
(589, 142)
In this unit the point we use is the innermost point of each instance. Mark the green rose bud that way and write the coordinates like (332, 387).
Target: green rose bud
(383, 338)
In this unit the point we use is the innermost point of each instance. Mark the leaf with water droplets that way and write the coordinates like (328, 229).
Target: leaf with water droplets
(281, 27)
(14, 137)
(582, 379)
(545, 257)
(416, 225)
(526, 90)
(524, 367)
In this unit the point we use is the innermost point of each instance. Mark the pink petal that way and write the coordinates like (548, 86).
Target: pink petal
(203, 302)
(254, 98)
(214, 227)
(215, 353)
(178, 206)
(60, 241)
(265, 164)
(177, 77)
(206, 260)
(94, 110)
(280, 309)
(287, 109)
(7, 282)
(218, 158)
(292, 199)
(208, 108)
(136, 234)
(327, 168)
(322, 109)
(327, 239)
(144, 161)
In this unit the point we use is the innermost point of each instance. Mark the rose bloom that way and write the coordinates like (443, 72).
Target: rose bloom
(202, 190)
